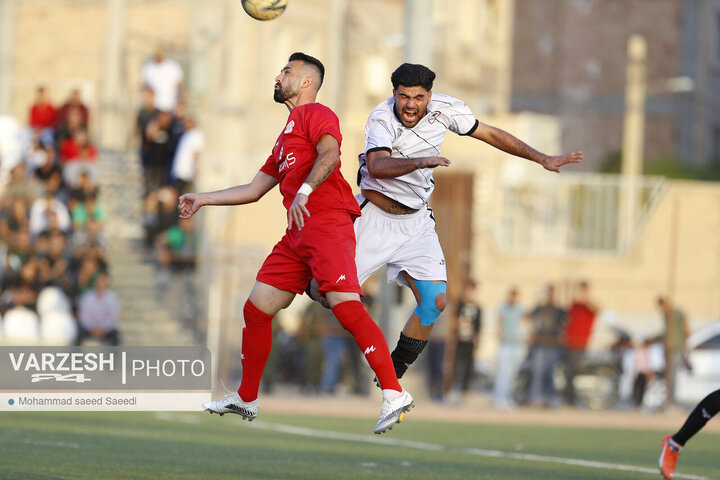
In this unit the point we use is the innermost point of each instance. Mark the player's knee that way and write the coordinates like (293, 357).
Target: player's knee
(440, 302)
(432, 301)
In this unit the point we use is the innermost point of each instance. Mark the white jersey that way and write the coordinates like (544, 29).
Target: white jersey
(383, 131)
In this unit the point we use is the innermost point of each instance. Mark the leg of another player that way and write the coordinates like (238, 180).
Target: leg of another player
(673, 444)
(415, 334)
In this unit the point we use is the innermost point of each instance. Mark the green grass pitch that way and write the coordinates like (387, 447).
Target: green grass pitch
(184, 446)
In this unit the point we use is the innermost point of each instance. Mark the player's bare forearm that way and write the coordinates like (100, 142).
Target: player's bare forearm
(190, 203)
(508, 143)
(381, 165)
(327, 161)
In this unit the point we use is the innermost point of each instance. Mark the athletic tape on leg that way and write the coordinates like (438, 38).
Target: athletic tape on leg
(427, 311)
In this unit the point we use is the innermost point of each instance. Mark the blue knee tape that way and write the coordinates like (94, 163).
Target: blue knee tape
(427, 310)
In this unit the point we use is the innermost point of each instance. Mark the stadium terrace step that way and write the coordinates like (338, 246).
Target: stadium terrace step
(145, 317)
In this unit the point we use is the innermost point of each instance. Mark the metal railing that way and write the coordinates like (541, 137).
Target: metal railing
(569, 215)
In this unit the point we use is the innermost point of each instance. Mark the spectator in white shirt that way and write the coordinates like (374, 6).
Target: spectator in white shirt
(184, 167)
(98, 313)
(43, 209)
(164, 76)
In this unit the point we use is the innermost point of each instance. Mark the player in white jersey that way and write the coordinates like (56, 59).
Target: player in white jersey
(403, 136)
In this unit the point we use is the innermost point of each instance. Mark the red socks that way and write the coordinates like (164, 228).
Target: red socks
(368, 336)
(256, 344)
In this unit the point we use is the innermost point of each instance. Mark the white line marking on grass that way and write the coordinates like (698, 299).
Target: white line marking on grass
(355, 437)
(40, 443)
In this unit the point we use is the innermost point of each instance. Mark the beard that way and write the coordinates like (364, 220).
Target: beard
(283, 94)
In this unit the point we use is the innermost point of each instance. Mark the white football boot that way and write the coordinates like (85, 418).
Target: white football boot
(394, 406)
(232, 403)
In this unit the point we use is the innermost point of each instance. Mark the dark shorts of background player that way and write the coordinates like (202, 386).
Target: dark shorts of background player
(323, 249)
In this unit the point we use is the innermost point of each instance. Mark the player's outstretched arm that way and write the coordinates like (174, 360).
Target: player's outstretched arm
(508, 143)
(328, 159)
(381, 165)
(239, 195)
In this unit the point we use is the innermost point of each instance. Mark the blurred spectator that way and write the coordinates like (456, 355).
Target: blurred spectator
(164, 76)
(49, 165)
(435, 355)
(469, 324)
(159, 151)
(20, 185)
(20, 248)
(42, 115)
(145, 115)
(78, 148)
(676, 333)
(581, 318)
(98, 312)
(184, 165)
(58, 260)
(510, 350)
(547, 340)
(159, 213)
(85, 210)
(333, 344)
(84, 189)
(73, 104)
(70, 126)
(21, 289)
(14, 217)
(47, 211)
(84, 279)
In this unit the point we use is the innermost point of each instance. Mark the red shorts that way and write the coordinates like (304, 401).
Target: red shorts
(323, 249)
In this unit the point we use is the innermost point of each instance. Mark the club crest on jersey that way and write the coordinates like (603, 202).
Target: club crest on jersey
(433, 116)
(290, 126)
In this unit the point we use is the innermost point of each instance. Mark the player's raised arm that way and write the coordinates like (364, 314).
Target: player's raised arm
(190, 203)
(508, 143)
(381, 165)
(327, 161)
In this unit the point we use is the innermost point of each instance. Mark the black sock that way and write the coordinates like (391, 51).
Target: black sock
(406, 352)
(697, 419)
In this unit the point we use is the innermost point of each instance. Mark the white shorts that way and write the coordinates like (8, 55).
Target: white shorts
(402, 242)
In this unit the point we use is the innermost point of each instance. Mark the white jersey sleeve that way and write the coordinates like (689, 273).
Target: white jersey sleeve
(383, 131)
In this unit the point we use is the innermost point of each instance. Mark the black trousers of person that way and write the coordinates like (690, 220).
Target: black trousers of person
(111, 337)
(704, 411)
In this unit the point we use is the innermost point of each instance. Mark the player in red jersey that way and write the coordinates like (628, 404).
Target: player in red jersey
(319, 241)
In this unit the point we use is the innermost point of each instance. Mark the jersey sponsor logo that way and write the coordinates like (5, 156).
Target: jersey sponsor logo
(288, 162)
(432, 117)
(290, 126)
(369, 349)
(341, 277)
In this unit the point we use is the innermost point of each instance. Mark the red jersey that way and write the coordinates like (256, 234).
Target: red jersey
(579, 326)
(295, 153)
(42, 116)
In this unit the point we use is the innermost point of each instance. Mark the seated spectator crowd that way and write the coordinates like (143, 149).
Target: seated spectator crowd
(53, 264)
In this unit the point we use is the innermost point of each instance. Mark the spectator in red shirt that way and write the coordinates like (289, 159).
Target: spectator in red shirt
(42, 115)
(73, 104)
(581, 317)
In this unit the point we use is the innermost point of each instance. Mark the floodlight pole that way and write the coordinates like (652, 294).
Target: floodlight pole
(633, 137)
(7, 45)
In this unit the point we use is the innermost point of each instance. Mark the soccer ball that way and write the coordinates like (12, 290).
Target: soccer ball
(264, 9)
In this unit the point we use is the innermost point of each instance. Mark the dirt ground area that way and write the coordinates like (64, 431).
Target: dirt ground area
(477, 409)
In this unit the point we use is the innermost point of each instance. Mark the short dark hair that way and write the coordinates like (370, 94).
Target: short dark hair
(413, 75)
(310, 60)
